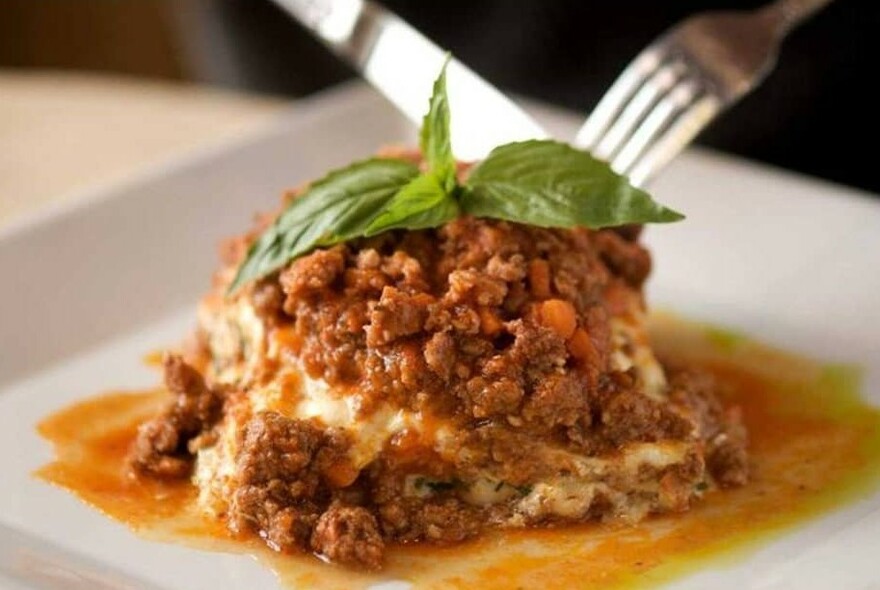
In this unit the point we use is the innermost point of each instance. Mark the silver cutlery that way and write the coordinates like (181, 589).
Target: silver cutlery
(683, 80)
(402, 64)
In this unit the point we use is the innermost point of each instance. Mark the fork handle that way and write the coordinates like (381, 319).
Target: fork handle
(787, 14)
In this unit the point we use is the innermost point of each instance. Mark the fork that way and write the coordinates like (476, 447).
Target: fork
(678, 84)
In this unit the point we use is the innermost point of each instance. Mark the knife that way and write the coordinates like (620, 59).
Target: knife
(403, 64)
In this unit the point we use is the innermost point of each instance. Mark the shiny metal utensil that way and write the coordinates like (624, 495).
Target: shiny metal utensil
(683, 80)
(402, 63)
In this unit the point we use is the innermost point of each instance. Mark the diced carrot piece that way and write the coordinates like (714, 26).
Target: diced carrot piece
(287, 339)
(559, 316)
(580, 346)
(341, 474)
(490, 323)
(539, 278)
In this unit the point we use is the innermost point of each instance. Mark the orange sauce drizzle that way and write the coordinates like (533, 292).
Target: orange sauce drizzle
(814, 443)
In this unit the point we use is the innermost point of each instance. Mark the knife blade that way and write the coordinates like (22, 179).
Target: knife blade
(403, 64)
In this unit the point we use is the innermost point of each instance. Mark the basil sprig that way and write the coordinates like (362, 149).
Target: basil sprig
(434, 138)
(551, 184)
(539, 182)
(430, 199)
(336, 208)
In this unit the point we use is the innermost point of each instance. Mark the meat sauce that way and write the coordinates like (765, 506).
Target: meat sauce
(814, 444)
(512, 361)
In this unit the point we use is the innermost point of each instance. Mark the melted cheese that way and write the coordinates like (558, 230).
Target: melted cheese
(369, 433)
(630, 348)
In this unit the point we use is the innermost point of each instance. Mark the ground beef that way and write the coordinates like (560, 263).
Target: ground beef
(288, 473)
(632, 416)
(444, 520)
(349, 535)
(450, 304)
(625, 258)
(397, 314)
(502, 329)
(499, 330)
(440, 354)
(558, 400)
(277, 457)
(311, 274)
(162, 447)
(506, 452)
(727, 440)
(268, 300)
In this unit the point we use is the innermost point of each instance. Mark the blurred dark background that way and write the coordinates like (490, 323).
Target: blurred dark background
(814, 114)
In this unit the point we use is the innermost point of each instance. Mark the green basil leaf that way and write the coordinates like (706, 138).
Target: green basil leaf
(420, 204)
(434, 137)
(551, 184)
(336, 208)
(543, 183)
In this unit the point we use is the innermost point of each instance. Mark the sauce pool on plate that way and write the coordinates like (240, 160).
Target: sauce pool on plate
(814, 445)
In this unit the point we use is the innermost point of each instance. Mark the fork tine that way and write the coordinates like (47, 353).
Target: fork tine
(639, 107)
(674, 138)
(683, 80)
(616, 98)
(673, 102)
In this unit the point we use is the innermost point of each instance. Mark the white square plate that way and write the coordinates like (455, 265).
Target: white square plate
(91, 287)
